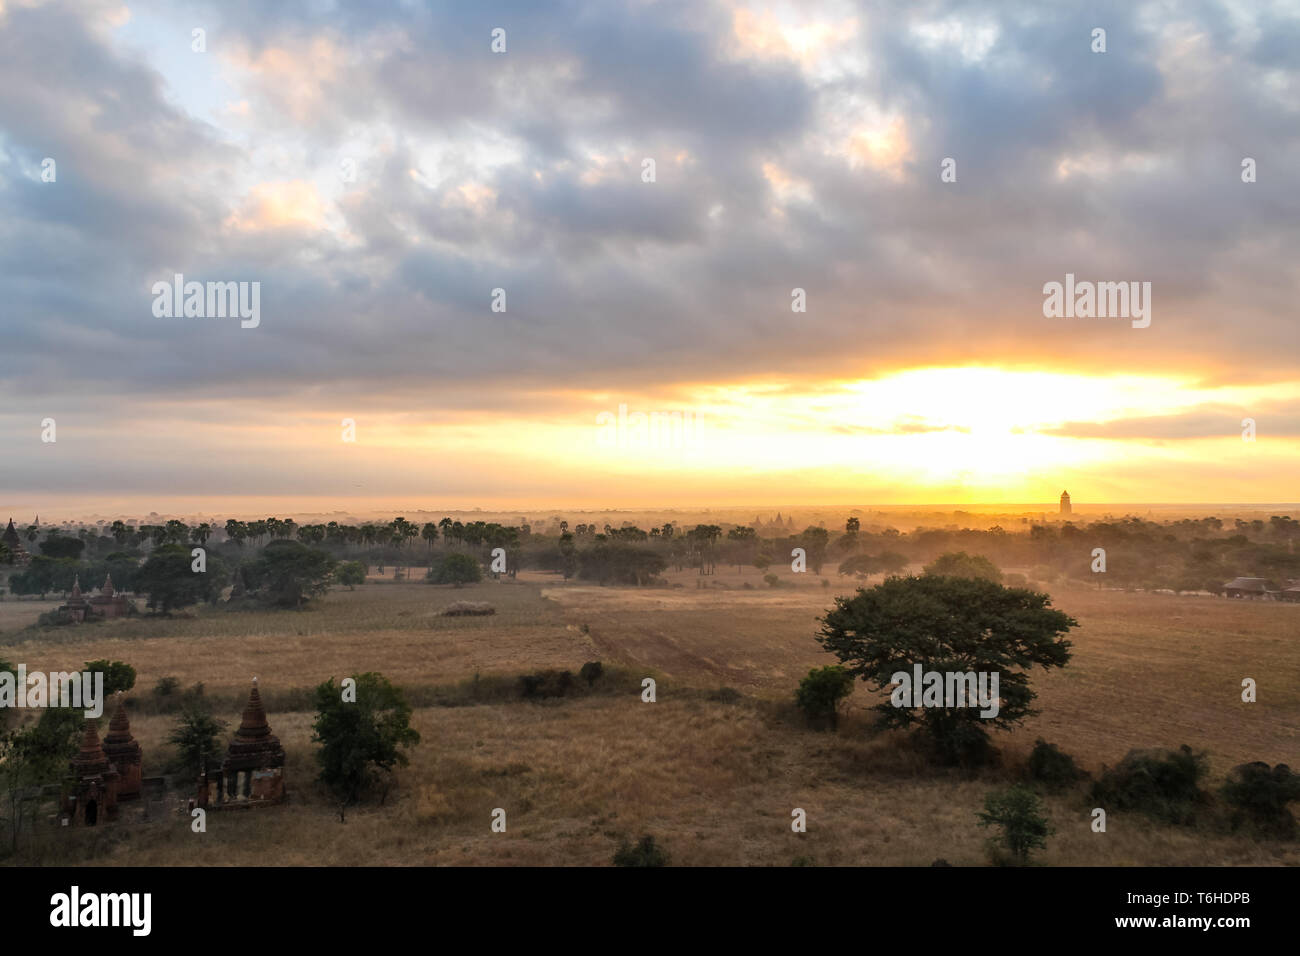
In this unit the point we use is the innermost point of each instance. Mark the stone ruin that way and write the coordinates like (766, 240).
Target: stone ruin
(104, 775)
(252, 775)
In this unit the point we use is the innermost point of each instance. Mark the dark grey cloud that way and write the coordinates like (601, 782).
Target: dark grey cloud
(615, 281)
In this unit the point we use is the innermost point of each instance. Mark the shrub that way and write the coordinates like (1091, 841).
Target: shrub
(196, 733)
(166, 686)
(548, 683)
(1259, 795)
(1163, 784)
(772, 580)
(468, 609)
(350, 573)
(1019, 812)
(1052, 767)
(820, 694)
(591, 672)
(645, 853)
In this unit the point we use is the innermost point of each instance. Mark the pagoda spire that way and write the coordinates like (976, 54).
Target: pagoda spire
(254, 746)
(90, 759)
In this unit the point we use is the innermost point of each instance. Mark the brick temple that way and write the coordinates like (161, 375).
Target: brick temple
(90, 793)
(252, 775)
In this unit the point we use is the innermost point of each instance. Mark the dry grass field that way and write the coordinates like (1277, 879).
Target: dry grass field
(712, 775)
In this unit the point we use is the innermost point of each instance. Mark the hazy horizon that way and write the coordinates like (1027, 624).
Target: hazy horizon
(284, 508)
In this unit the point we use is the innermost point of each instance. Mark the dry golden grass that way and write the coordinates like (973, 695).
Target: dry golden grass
(715, 782)
(391, 628)
(1147, 669)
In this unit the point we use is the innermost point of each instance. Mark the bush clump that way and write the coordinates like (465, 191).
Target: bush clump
(1163, 784)
(1052, 767)
(1019, 812)
(645, 853)
(548, 683)
(591, 672)
(820, 694)
(1259, 794)
(468, 609)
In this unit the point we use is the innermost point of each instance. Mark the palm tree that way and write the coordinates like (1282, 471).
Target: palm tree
(430, 534)
(236, 531)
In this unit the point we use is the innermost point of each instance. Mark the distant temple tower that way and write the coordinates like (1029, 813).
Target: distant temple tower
(1065, 503)
(14, 542)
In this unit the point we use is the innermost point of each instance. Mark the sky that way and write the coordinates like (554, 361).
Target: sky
(473, 290)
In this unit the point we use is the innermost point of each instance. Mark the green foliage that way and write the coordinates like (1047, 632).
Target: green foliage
(1052, 767)
(820, 694)
(350, 573)
(117, 675)
(195, 733)
(171, 582)
(1259, 795)
(611, 562)
(959, 564)
(287, 574)
(34, 756)
(1019, 813)
(645, 853)
(44, 574)
(949, 624)
(362, 740)
(62, 546)
(167, 686)
(1163, 784)
(456, 569)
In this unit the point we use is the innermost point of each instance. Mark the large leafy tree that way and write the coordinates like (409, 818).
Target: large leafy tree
(62, 546)
(362, 736)
(288, 573)
(171, 582)
(949, 625)
(457, 569)
(616, 563)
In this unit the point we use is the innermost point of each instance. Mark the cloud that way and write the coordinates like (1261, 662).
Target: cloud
(795, 148)
(1205, 421)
